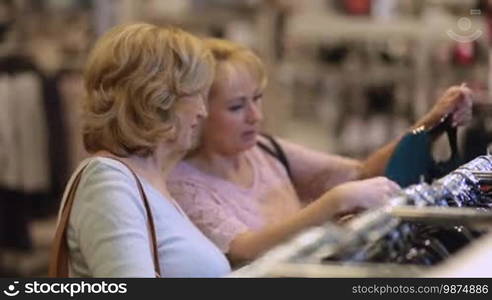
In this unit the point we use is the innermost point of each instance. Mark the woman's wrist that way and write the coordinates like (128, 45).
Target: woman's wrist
(335, 203)
(428, 121)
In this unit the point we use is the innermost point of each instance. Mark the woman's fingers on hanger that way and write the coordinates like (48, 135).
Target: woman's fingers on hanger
(446, 104)
(367, 193)
(389, 186)
(452, 94)
(462, 114)
(462, 118)
(462, 110)
(396, 186)
(467, 96)
(452, 99)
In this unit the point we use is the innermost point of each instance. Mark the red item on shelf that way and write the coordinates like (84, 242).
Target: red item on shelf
(358, 7)
(464, 53)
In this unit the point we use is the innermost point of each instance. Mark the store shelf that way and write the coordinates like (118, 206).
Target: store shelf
(316, 27)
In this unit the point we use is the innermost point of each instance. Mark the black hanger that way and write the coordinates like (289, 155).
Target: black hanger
(442, 168)
(445, 125)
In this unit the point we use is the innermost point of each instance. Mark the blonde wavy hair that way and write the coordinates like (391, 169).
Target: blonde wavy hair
(134, 76)
(225, 51)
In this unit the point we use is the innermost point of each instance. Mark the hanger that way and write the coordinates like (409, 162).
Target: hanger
(445, 125)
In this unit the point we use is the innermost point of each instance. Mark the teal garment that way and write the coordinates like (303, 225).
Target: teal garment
(412, 158)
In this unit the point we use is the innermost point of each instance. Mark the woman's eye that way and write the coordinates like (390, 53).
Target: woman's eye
(235, 107)
(257, 98)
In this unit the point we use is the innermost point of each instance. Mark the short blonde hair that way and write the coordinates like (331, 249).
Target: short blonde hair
(134, 76)
(225, 51)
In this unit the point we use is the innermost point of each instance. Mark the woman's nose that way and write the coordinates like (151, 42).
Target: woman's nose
(254, 112)
(202, 111)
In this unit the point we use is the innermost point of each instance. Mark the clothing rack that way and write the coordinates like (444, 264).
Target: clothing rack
(32, 150)
(429, 221)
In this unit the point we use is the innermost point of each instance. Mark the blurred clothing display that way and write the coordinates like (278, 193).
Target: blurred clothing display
(24, 128)
(24, 157)
(33, 153)
(384, 10)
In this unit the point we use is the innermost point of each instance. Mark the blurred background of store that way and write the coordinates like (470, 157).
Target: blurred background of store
(345, 77)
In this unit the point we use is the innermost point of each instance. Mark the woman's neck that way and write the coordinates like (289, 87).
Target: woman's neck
(154, 168)
(231, 167)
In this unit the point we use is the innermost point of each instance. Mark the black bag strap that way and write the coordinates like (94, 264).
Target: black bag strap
(277, 152)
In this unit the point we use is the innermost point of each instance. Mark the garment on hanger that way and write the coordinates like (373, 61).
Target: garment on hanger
(412, 159)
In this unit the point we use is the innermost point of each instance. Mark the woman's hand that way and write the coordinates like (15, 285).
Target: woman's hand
(343, 199)
(457, 101)
(363, 194)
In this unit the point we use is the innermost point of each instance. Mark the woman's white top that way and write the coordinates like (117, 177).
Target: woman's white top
(108, 234)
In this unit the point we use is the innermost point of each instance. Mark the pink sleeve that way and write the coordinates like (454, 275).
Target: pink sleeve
(315, 172)
(203, 208)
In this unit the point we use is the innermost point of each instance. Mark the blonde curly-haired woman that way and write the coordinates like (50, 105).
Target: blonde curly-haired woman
(146, 89)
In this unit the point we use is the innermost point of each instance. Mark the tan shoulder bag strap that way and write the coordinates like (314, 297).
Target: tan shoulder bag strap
(60, 253)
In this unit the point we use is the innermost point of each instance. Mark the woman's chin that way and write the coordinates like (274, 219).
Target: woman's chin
(250, 137)
(194, 143)
(247, 145)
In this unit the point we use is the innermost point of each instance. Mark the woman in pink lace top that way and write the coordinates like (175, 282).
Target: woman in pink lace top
(242, 197)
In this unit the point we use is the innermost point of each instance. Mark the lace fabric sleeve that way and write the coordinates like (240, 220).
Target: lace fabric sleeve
(204, 208)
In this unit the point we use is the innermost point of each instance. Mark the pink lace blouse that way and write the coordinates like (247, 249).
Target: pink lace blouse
(222, 209)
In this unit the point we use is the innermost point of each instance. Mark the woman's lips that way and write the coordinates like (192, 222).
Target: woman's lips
(249, 133)
(194, 129)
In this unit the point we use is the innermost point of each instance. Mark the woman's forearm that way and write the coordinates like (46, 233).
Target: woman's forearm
(376, 163)
(249, 245)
